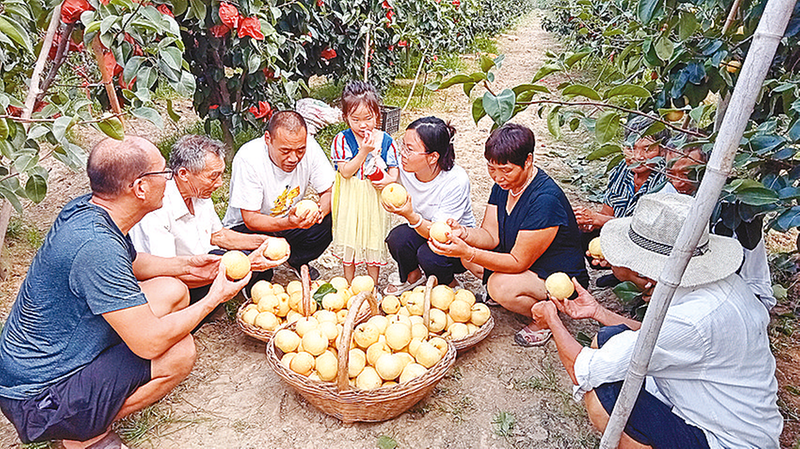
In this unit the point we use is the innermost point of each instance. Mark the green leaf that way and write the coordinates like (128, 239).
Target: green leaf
(627, 291)
(477, 77)
(12, 198)
(468, 88)
(132, 68)
(645, 10)
(197, 8)
(607, 127)
(614, 162)
(186, 86)
(477, 110)
(36, 188)
(546, 69)
(253, 63)
(553, 119)
(454, 80)
(486, 63)
(687, 25)
(61, 126)
(26, 160)
(150, 115)
(630, 90)
(664, 49)
(112, 127)
(605, 150)
(3, 129)
(578, 89)
(572, 59)
(174, 116)
(757, 196)
(386, 442)
(179, 7)
(172, 57)
(794, 131)
(531, 87)
(15, 32)
(323, 290)
(501, 107)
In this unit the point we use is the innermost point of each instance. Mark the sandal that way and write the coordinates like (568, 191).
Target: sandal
(403, 287)
(110, 441)
(528, 338)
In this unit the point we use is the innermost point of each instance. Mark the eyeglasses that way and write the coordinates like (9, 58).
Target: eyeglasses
(405, 150)
(167, 174)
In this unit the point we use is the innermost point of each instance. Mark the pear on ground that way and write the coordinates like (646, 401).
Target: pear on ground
(325, 315)
(412, 371)
(277, 289)
(329, 330)
(268, 303)
(333, 302)
(413, 345)
(293, 316)
(341, 316)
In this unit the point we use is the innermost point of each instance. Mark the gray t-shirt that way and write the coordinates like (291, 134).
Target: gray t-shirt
(83, 270)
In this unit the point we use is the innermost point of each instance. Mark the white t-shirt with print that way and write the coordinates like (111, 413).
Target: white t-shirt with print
(258, 184)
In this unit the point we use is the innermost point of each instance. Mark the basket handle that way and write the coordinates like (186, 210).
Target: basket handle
(343, 347)
(305, 279)
(426, 313)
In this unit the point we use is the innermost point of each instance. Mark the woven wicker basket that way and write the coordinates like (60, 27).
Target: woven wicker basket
(470, 340)
(351, 405)
(266, 335)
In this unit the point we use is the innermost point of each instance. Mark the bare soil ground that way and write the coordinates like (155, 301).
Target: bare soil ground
(232, 399)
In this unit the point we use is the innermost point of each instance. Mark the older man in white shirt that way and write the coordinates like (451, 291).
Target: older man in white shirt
(711, 380)
(187, 223)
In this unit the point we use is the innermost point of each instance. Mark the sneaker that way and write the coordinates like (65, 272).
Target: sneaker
(313, 273)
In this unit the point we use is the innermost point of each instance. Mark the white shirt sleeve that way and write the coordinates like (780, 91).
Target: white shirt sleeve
(455, 200)
(247, 189)
(678, 351)
(152, 235)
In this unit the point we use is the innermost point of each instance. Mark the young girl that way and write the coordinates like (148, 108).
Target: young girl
(366, 161)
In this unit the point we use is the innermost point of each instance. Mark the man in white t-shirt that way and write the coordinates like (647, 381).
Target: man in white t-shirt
(270, 175)
(187, 224)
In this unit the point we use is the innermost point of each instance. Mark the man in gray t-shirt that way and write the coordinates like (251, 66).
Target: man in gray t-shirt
(98, 331)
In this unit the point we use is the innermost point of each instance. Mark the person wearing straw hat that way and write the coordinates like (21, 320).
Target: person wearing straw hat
(711, 380)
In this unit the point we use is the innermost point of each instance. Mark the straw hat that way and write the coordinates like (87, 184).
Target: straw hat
(643, 242)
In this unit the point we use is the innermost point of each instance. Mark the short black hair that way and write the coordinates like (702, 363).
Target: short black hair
(287, 120)
(114, 164)
(437, 137)
(510, 143)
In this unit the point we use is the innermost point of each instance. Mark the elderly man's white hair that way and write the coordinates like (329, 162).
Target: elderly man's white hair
(190, 152)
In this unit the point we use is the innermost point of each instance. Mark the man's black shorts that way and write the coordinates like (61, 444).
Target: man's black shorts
(84, 405)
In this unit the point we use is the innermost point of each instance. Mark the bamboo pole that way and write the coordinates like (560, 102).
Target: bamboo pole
(759, 58)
